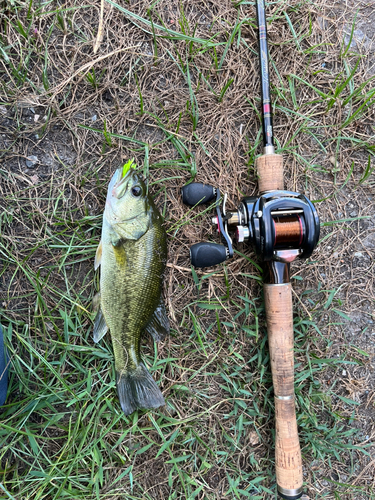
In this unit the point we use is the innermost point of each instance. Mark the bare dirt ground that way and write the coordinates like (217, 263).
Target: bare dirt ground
(182, 107)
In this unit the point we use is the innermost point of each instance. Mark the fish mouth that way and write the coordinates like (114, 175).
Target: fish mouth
(119, 184)
(120, 188)
(123, 183)
(126, 220)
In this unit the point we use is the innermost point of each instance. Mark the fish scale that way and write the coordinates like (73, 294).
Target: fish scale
(132, 255)
(129, 302)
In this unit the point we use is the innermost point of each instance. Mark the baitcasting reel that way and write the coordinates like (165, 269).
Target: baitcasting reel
(282, 225)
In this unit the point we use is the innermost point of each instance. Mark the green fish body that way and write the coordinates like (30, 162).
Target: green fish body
(132, 255)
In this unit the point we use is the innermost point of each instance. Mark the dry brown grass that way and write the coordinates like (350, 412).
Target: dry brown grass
(50, 225)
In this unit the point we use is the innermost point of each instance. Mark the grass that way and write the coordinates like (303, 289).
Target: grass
(176, 88)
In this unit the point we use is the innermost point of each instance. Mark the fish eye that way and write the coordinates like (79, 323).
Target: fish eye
(136, 191)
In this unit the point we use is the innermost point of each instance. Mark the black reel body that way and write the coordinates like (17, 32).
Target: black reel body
(282, 225)
(281, 221)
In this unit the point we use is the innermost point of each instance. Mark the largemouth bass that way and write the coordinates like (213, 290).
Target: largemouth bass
(132, 254)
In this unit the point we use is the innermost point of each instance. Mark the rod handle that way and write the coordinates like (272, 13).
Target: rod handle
(270, 172)
(279, 314)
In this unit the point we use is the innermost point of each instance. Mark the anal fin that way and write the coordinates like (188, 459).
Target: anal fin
(158, 326)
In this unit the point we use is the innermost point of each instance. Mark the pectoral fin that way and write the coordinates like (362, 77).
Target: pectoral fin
(158, 326)
(98, 256)
(100, 326)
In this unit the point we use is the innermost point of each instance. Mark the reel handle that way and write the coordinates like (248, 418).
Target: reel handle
(197, 193)
(207, 254)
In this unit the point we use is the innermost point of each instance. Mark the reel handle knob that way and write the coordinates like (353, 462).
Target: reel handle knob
(208, 254)
(197, 193)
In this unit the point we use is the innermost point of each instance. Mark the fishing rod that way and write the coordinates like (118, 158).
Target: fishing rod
(282, 226)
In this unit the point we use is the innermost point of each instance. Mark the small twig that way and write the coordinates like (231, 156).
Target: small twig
(368, 466)
(87, 67)
(179, 267)
(99, 36)
(188, 269)
(302, 304)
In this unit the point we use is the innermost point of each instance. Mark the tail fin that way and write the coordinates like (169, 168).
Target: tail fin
(137, 389)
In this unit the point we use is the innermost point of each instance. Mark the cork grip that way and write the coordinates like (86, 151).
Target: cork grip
(270, 172)
(278, 303)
